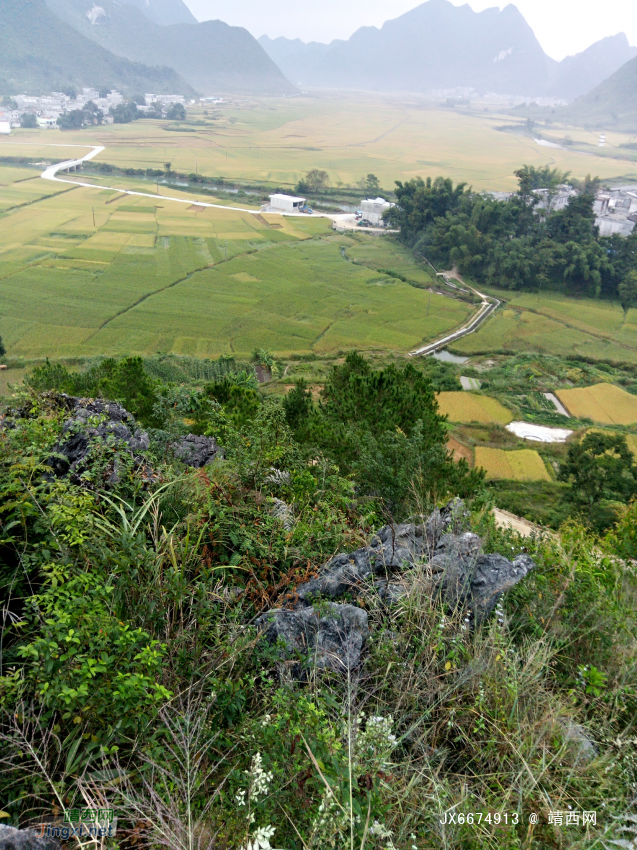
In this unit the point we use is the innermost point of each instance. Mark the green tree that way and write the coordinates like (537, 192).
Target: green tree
(627, 290)
(28, 121)
(370, 184)
(176, 112)
(602, 473)
(420, 203)
(314, 181)
(124, 113)
(545, 177)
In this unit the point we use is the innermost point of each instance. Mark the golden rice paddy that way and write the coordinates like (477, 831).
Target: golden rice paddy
(520, 465)
(603, 403)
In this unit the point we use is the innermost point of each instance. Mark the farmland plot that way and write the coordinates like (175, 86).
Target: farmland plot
(603, 403)
(90, 272)
(469, 407)
(520, 465)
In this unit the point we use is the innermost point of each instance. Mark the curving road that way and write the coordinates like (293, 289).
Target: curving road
(488, 306)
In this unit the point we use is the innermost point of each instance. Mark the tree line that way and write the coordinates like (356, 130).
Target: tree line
(519, 244)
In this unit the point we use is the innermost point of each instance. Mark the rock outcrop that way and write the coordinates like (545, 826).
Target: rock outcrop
(25, 839)
(330, 636)
(197, 451)
(459, 573)
(95, 421)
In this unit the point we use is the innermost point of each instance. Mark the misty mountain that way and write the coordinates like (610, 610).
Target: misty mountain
(212, 56)
(40, 53)
(577, 75)
(441, 46)
(163, 12)
(610, 106)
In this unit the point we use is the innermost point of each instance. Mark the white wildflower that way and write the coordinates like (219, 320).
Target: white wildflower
(261, 839)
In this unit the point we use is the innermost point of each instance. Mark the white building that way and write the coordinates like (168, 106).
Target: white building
(286, 203)
(373, 211)
(555, 200)
(610, 225)
(5, 128)
(46, 123)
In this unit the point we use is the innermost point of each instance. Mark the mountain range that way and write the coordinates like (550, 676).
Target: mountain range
(40, 53)
(610, 106)
(439, 46)
(211, 56)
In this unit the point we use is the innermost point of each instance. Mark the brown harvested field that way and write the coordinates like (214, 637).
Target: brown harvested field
(603, 403)
(521, 465)
(470, 407)
(460, 451)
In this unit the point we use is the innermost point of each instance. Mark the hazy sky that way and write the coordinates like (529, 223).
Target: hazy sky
(562, 26)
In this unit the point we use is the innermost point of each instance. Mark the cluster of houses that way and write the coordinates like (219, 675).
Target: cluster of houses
(48, 108)
(615, 209)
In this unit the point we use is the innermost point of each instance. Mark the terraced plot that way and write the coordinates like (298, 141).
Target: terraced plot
(603, 403)
(520, 465)
(469, 407)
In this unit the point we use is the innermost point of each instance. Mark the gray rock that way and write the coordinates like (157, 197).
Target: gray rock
(25, 839)
(468, 578)
(461, 573)
(94, 421)
(393, 549)
(197, 451)
(331, 637)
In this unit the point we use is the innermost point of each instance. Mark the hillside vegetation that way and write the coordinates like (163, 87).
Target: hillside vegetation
(39, 53)
(136, 672)
(612, 105)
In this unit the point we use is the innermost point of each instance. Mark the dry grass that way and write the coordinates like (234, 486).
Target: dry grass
(520, 465)
(471, 407)
(603, 403)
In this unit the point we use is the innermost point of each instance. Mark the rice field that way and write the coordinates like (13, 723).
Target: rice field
(91, 272)
(519, 465)
(347, 135)
(466, 407)
(551, 323)
(606, 404)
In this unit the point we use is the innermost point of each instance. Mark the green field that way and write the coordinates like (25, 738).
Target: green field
(157, 276)
(554, 324)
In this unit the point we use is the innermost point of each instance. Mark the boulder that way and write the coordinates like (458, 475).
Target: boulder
(330, 637)
(94, 421)
(460, 572)
(467, 578)
(393, 549)
(25, 839)
(197, 451)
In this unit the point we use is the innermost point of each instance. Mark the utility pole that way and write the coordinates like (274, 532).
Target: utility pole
(93, 208)
(428, 303)
(226, 255)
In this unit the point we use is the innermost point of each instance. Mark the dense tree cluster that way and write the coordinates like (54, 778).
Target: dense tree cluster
(519, 244)
(88, 116)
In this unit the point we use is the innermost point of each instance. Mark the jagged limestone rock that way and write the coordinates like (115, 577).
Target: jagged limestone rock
(330, 636)
(197, 451)
(93, 421)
